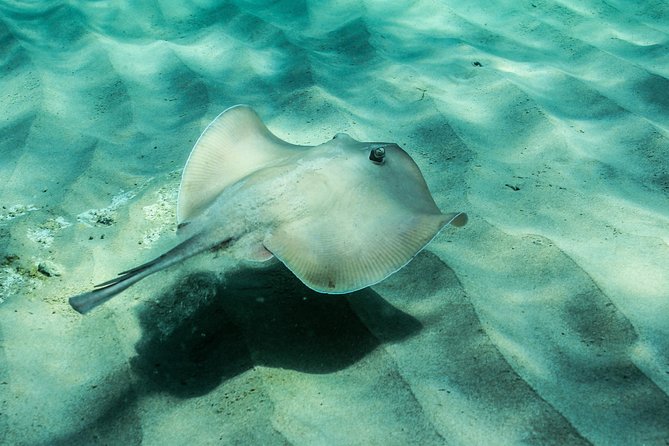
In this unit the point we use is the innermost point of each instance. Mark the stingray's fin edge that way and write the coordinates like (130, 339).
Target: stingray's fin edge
(328, 265)
(235, 144)
(457, 219)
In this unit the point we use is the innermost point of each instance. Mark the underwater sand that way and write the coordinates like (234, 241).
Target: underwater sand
(545, 320)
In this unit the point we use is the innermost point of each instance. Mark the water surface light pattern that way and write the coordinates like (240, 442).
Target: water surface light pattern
(544, 320)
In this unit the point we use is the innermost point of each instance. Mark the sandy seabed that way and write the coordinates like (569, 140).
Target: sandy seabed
(544, 321)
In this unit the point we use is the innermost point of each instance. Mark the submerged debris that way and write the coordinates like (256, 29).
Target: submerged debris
(9, 259)
(48, 268)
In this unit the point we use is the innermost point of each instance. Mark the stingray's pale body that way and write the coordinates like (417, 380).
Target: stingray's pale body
(341, 216)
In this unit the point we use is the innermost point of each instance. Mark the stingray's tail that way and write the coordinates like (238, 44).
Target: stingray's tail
(85, 302)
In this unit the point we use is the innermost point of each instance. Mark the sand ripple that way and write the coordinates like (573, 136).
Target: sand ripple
(547, 121)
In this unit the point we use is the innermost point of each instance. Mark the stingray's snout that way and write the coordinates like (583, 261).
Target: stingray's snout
(377, 155)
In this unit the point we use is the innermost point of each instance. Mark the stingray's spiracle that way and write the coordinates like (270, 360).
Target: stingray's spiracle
(377, 155)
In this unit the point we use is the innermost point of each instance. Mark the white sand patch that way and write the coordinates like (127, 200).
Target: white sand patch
(162, 213)
(11, 282)
(44, 234)
(16, 281)
(107, 216)
(18, 210)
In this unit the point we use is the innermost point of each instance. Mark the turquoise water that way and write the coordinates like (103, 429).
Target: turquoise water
(543, 321)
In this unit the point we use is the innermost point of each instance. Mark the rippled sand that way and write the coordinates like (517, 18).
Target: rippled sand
(544, 321)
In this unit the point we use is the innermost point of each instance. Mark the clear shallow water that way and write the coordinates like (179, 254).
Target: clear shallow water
(543, 321)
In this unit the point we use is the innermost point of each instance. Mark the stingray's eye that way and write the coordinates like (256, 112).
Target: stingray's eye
(377, 155)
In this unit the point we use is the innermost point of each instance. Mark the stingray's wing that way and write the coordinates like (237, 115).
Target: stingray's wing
(349, 256)
(366, 221)
(234, 145)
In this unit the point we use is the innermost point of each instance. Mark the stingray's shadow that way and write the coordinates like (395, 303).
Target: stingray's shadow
(207, 329)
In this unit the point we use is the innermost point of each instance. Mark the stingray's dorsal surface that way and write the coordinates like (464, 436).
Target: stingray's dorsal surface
(364, 220)
(376, 218)
(341, 216)
(235, 144)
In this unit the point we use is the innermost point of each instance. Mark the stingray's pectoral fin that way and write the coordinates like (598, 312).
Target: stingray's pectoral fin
(354, 256)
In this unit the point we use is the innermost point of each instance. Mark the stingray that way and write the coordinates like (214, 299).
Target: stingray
(342, 215)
